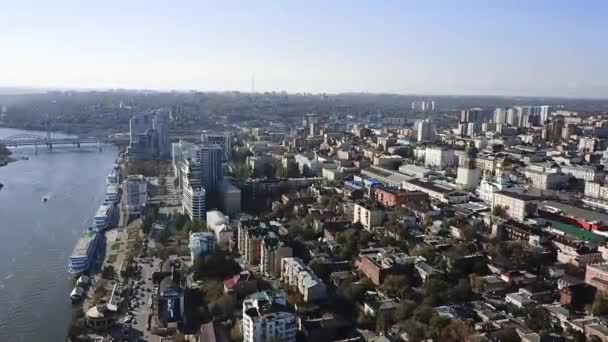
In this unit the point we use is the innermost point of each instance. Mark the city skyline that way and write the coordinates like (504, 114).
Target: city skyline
(438, 48)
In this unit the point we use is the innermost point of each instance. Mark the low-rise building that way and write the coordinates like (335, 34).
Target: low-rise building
(437, 192)
(546, 180)
(377, 263)
(368, 215)
(517, 206)
(415, 171)
(265, 318)
(587, 173)
(273, 250)
(575, 253)
(201, 244)
(440, 157)
(391, 197)
(597, 276)
(295, 273)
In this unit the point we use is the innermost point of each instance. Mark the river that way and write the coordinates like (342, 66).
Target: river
(37, 238)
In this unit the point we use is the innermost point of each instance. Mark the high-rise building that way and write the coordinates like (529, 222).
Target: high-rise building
(311, 124)
(512, 116)
(193, 203)
(425, 130)
(149, 137)
(423, 106)
(553, 129)
(500, 115)
(210, 159)
(223, 139)
(544, 114)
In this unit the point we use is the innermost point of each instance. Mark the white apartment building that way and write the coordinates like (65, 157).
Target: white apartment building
(517, 206)
(201, 244)
(264, 319)
(596, 190)
(295, 273)
(193, 202)
(439, 157)
(369, 217)
(584, 172)
(546, 180)
(272, 251)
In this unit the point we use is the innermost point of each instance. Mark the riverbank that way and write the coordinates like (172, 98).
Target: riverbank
(4, 160)
(5, 156)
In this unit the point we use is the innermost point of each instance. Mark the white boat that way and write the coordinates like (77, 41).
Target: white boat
(77, 293)
(84, 253)
(112, 194)
(82, 281)
(102, 218)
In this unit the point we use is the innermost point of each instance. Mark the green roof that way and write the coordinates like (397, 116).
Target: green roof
(575, 231)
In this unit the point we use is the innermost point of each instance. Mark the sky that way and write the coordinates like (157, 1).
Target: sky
(536, 48)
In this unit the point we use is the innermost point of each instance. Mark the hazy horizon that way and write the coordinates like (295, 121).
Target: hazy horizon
(469, 48)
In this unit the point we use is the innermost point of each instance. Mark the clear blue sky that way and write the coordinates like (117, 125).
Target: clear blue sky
(551, 48)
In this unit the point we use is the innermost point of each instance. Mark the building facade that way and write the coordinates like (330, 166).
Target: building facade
(201, 244)
(295, 273)
(265, 318)
(193, 203)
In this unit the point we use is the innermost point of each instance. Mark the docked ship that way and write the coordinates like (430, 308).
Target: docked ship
(103, 216)
(113, 176)
(112, 194)
(85, 252)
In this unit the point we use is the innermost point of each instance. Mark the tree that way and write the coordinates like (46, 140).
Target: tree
(365, 321)
(415, 331)
(500, 211)
(423, 314)
(405, 310)
(599, 307)
(216, 265)
(224, 306)
(437, 324)
(235, 333)
(163, 236)
(396, 285)
(108, 272)
(180, 221)
(455, 331)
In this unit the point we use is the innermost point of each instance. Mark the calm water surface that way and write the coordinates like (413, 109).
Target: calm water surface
(37, 238)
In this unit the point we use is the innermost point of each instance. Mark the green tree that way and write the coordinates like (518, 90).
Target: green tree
(500, 211)
(180, 221)
(599, 307)
(405, 310)
(416, 332)
(423, 314)
(437, 324)
(397, 285)
(224, 306)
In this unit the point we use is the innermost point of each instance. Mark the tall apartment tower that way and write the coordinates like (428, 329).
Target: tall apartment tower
(425, 130)
(210, 160)
(224, 139)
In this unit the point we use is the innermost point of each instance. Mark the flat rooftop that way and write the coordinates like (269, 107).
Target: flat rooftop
(571, 210)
